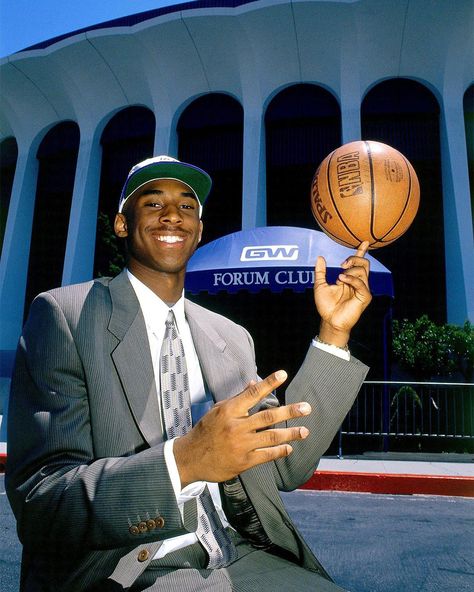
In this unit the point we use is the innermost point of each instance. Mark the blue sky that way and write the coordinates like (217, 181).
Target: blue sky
(26, 22)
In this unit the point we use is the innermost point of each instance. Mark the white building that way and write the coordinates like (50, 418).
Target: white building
(254, 82)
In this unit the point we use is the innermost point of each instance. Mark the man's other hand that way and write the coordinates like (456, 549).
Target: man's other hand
(341, 304)
(227, 440)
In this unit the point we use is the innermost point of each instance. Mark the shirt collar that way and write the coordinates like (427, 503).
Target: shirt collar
(154, 309)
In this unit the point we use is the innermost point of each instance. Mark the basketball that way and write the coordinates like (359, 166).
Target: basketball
(365, 191)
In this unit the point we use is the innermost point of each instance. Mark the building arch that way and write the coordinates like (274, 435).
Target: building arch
(428, 85)
(8, 160)
(405, 114)
(284, 88)
(127, 138)
(186, 104)
(210, 135)
(57, 156)
(302, 126)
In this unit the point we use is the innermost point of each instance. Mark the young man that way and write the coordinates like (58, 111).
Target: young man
(144, 451)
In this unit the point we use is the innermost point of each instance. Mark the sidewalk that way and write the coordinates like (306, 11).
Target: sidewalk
(434, 474)
(390, 473)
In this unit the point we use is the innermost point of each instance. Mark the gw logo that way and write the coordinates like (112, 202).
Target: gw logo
(270, 253)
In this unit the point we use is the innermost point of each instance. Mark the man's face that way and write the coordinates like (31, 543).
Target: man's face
(162, 226)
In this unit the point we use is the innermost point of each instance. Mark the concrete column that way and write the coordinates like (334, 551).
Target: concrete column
(350, 91)
(254, 206)
(166, 138)
(16, 246)
(80, 246)
(350, 115)
(458, 232)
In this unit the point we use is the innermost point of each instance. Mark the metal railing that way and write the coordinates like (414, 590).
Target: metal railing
(412, 409)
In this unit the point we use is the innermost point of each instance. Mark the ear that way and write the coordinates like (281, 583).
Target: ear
(200, 230)
(120, 226)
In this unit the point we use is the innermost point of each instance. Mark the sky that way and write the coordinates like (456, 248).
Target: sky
(26, 22)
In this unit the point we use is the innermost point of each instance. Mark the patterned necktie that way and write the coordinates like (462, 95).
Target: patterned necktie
(176, 404)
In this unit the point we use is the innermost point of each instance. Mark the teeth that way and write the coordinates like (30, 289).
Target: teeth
(170, 239)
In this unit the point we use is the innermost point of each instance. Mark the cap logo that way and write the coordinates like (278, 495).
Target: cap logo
(164, 159)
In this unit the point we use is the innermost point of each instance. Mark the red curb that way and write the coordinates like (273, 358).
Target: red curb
(388, 483)
(391, 483)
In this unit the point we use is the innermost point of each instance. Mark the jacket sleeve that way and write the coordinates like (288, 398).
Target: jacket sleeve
(330, 385)
(60, 491)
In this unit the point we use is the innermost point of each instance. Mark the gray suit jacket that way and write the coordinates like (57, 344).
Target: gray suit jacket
(85, 441)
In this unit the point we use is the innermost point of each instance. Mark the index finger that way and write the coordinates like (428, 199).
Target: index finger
(257, 391)
(362, 249)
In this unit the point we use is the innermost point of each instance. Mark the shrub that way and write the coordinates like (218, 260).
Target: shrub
(429, 350)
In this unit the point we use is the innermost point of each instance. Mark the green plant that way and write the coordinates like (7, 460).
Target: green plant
(463, 349)
(429, 350)
(403, 405)
(111, 258)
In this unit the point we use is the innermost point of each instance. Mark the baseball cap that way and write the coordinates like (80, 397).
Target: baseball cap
(166, 167)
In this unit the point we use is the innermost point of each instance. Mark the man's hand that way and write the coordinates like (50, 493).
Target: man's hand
(341, 304)
(227, 440)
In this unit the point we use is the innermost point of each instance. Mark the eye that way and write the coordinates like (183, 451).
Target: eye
(153, 204)
(187, 206)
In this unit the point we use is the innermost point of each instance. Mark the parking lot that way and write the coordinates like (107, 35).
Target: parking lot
(367, 542)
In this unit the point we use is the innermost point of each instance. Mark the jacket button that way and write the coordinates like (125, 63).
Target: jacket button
(159, 521)
(142, 527)
(133, 529)
(143, 555)
(151, 524)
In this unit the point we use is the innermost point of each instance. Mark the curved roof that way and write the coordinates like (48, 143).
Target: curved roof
(163, 59)
(140, 17)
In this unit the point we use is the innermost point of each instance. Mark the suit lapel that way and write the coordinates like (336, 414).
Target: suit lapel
(132, 359)
(219, 368)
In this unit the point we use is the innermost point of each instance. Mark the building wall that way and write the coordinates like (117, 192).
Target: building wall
(250, 52)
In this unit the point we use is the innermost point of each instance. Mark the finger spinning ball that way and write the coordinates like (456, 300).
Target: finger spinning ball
(365, 190)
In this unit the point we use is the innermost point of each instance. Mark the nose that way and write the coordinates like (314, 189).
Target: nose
(171, 214)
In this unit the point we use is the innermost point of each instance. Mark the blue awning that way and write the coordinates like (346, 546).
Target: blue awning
(274, 258)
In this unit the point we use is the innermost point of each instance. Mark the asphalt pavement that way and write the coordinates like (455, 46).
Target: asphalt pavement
(367, 542)
(389, 543)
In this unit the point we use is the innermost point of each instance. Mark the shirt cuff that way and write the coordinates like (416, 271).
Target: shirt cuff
(190, 491)
(332, 349)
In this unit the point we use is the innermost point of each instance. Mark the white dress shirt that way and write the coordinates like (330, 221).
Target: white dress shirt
(155, 312)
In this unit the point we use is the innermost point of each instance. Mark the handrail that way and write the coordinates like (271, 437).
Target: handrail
(407, 409)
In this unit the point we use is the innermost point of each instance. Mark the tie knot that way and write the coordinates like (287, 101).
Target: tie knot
(171, 328)
(170, 320)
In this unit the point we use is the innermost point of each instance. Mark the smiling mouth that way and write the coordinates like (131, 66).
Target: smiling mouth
(170, 239)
